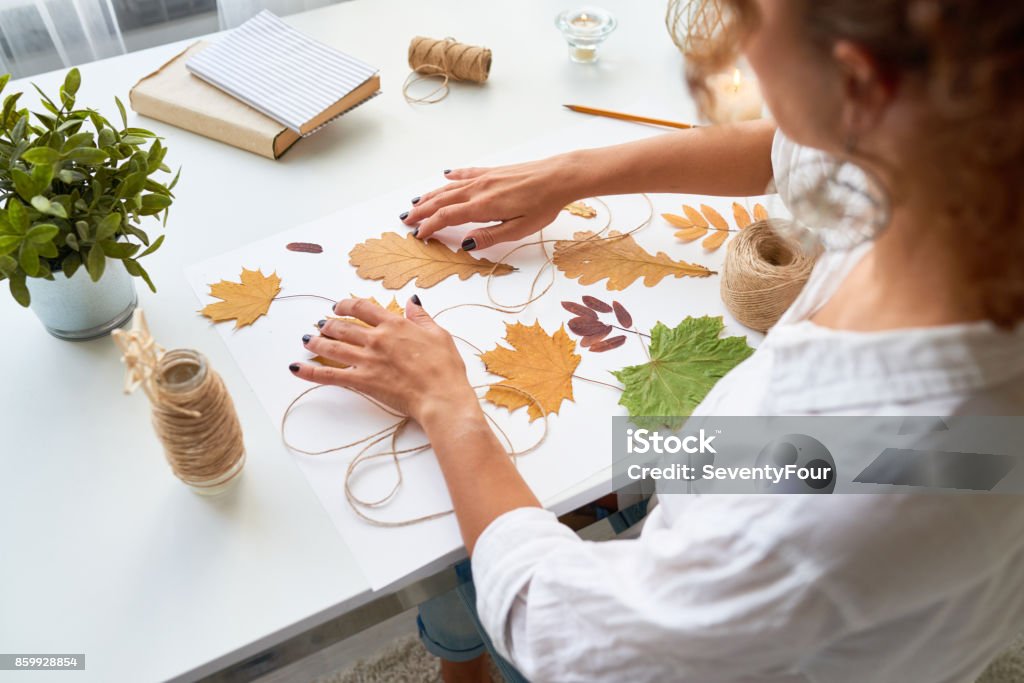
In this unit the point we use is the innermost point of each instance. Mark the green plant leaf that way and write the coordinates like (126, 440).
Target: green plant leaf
(107, 137)
(82, 228)
(133, 267)
(95, 261)
(42, 232)
(8, 266)
(18, 217)
(3, 81)
(108, 226)
(685, 362)
(18, 289)
(154, 203)
(71, 264)
(29, 259)
(41, 155)
(9, 243)
(87, 155)
(124, 114)
(71, 240)
(42, 175)
(119, 250)
(18, 132)
(153, 247)
(10, 102)
(46, 250)
(23, 184)
(78, 140)
(70, 177)
(72, 81)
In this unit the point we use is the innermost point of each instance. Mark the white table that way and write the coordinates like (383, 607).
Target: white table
(102, 550)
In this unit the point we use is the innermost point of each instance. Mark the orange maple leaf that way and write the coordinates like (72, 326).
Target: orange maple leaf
(243, 301)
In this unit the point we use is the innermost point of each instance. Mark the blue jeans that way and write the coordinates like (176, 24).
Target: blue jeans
(450, 627)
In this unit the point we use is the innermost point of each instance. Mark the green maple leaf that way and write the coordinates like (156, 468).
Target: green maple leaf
(686, 361)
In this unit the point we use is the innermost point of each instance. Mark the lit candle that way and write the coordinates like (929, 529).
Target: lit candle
(584, 30)
(735, 98)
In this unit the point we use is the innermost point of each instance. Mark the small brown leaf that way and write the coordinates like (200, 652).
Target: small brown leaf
(694, 216)
(608, 344)
(586, 327)
(741, 215)
(622, 315)
(587, 341)
(691, 233)
(596, 304)
(715, 240)
(307, 247)
(577, 309)
(677, 221)
(760, 213)
(580, 209)
(716, 219)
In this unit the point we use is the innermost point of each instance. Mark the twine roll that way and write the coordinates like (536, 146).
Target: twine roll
(447, 59)
(193, 414)
(763, 273)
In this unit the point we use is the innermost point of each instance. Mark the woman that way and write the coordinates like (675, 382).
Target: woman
(928, 97)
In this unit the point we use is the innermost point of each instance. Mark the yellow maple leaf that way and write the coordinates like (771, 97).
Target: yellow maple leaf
(538, 364)
(620, 260)
(397, 260)
(392, 307)
(580, 209)
(243, 301)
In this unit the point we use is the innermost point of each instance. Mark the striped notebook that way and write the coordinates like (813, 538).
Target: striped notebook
(293, 79)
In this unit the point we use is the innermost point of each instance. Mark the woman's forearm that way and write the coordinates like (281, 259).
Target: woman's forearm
(732, 160)
(482, 480)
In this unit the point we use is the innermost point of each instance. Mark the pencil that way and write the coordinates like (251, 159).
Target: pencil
(627, 117)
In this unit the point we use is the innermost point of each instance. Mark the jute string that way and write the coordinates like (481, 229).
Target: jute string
(193, 414)
(390, 434)
(446, 60)
(763, 273)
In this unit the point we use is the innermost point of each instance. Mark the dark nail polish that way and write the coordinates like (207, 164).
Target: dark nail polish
(416, 299)
(416, 232)
(468, 244)
(447, 171)
(306, 338)
(403, 216)
(416, 200)
(321, 323)
(294, 367)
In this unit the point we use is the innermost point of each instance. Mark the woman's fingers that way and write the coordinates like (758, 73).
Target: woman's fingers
(507, 231)
(345, 331)
(430, 201)
(336, 350)
(453, 214)
(465, 173)
(321, 374)
(364, 310)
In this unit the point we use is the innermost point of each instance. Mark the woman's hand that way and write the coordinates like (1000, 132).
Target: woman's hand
(410, 364)
(521, 199)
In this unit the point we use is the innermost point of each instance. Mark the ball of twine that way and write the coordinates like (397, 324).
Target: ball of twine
(447, 59)
(195, 419)
(763, 273)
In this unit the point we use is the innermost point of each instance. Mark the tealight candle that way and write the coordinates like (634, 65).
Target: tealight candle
(736, 98)
(584, 30)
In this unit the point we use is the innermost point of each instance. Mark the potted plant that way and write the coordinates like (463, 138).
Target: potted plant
(73, 192)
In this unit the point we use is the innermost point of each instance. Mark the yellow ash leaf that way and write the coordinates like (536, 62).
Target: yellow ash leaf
(537, 363)
(677, 221)
(715, 240)
(760, 213)
(714, 218)
(397, 261)
(741, 215)
(580, 209)
(243, 301)
(621, 260)
(694, 216)
(691, 233)
(392, 307)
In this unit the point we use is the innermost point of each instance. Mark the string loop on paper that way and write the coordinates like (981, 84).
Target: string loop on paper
(763, 273)
(446, 59)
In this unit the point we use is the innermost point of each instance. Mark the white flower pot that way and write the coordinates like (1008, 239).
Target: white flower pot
(78, 308)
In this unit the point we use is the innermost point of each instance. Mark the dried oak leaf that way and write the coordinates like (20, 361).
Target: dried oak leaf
(243, 301)
(622, 261)
(686, 361)
(580, 209)
(539, 364)
(397, 260)
(392, 307)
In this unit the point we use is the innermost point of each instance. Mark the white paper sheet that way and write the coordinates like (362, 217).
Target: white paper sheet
(579, 441)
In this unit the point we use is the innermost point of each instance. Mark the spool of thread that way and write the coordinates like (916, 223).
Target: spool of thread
(195, 419)
(193, 414)
(447, 59)
(763, 273)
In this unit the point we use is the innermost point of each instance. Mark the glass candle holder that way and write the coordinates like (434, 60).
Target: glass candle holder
(584, 30)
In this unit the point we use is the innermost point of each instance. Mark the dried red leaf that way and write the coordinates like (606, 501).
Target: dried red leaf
(586, 327)
(622, 315)
(307, 247)
(608, 344)
(587, 341)
(577, 309)
(596, 304)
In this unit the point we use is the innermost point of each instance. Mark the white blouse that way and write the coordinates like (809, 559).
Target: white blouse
(786, 588)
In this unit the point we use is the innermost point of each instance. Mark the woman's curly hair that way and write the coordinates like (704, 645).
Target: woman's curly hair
(968, 56)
